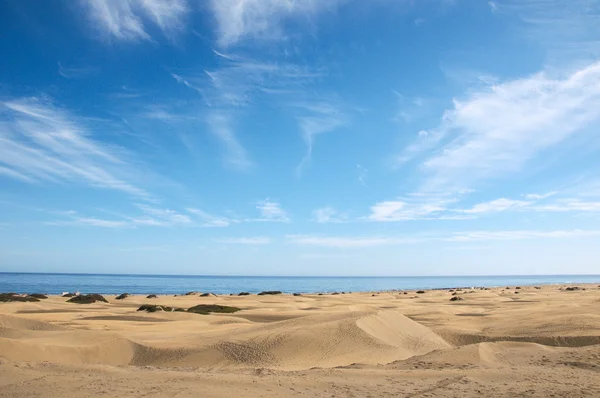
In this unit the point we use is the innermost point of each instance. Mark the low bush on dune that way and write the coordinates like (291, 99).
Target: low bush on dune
(69, 295)
(420, 291)
(150, 296)
(269, 292)
(38, 296)
(87, 299)
(244, 294)
(122, 296)
(156, 308)
(12, 297)
(206, 309)
(456, 298)
(297, 294)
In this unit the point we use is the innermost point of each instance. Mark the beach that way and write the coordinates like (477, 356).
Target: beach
(540, 341)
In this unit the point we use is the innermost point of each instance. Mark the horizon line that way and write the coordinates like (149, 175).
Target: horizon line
(291, 276)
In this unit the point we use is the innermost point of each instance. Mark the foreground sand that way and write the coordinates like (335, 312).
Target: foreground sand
(540, 342)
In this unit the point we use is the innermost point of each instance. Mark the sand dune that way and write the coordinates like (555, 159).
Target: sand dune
(322, 345)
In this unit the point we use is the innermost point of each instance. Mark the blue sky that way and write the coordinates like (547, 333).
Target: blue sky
(271, 137)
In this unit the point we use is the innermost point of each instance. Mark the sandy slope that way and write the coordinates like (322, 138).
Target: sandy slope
(538, 342)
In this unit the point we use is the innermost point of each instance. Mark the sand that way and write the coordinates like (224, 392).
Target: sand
(538, 342)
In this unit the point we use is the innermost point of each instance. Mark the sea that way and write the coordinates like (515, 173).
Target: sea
(179, 284)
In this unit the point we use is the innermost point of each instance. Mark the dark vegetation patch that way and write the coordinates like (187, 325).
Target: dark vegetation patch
(206, 309)
(420, 291)
(38, 296)
(69, 295)
(156, 308)
(243, 294)
(572, 288)
(87, 299)
(122, 296)
(151, 296)
(297, 294)
(11, 297)
(456, 298)
(269, 292)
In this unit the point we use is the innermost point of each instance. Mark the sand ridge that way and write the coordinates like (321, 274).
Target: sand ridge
(375, 337)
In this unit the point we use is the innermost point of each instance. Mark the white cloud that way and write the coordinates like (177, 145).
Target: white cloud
(478, 236)
(127, 20)
(362, 175)
(254, 241)
(569, 205)
(567, 30)
(316, 119)
(271, 211)
(93, 222)
(76, 72)
(164, 216)
(347, 242)
(210, 220)
(328, 215)
(239, 82)
(496, 131)
(240, 20)
(411, 208)
(496, 205)
(40, 142)
(220, 125)
(536, 196)
(493, 6)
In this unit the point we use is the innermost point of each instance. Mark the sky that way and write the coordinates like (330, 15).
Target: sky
(300, 137)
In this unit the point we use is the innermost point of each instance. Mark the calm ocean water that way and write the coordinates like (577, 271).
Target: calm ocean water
(172, 284)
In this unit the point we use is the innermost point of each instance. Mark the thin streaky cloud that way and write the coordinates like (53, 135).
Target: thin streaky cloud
(326, 215)
(40, 141)
(271, 211)
(128, 20)
(260, 20)
(537, 196)
(252, 241)
(220, 125)
(77, 72)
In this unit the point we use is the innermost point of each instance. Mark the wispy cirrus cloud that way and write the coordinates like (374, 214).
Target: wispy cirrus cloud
(496, 131)
(315, 119)
(209, 220)
(539, 196)
(358, 242)
(413, 207)
(242, 83)
(221, 125)
(327, 215)
(40, 142)
(483, 236)
(271, 211)
(496, 205)
(566, 30)
(128, 20)
(77, 72)
(348, 242)
(246, 240)
(241, 20)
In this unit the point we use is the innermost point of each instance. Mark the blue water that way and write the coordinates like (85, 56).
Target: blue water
(171, 284)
